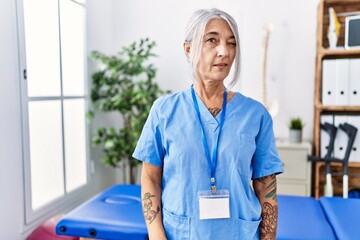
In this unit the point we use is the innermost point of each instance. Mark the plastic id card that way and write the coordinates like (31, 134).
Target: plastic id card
(214, 205)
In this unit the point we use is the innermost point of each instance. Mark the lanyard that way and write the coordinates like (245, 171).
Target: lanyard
(212, 161)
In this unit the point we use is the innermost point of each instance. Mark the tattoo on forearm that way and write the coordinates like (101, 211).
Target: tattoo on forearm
(269, 221)
(271, 186)
(262, 180)
(149, 214)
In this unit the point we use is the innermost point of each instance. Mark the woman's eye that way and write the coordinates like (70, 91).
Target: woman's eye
(212, 40)
(232, 44)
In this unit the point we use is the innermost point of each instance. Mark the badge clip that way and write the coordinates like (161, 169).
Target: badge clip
(213, 189)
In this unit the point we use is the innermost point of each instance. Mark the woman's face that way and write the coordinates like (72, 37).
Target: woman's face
(217, 53)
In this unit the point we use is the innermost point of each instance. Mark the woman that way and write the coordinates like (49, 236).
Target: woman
(202, 147)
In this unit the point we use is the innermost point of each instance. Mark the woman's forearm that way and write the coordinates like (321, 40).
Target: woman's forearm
(151, 200)
(265, 189)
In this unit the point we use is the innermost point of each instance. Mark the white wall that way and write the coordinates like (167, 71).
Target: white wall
(291, 57)
(100, 25)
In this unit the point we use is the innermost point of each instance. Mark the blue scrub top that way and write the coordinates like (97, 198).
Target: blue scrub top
(171, 139)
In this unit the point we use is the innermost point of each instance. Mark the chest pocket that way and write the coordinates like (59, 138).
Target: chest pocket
(176, 227)
(244, 153)
(247, 230)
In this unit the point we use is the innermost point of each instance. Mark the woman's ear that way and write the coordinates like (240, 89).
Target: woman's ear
(187, 49)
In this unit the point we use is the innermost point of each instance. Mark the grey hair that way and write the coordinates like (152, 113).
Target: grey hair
(194, 34)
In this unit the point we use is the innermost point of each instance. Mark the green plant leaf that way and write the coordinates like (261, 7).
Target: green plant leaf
(296, 123)
(90, 115)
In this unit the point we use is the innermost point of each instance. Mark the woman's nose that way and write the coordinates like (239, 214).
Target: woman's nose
(222, 50)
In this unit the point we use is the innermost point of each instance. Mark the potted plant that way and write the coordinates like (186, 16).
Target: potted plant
(124, 83)
(295, 130)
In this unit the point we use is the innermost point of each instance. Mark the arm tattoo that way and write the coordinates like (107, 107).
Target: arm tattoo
(271, 187)
(149, 214)
(269, 221)
(269, 213)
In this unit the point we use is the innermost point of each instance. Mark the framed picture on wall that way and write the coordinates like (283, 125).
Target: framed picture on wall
(352, 32)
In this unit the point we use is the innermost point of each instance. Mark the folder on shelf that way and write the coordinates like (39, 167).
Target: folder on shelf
(328, 81)
(354, 82)
(355, 153)
(342, 82)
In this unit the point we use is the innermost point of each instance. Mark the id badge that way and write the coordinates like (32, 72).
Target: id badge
(214, 205)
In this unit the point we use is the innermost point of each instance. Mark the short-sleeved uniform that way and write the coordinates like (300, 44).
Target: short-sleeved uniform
(171, 139)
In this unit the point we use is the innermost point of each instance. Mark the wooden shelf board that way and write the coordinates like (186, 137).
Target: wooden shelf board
(341, 52)
(350, 164)
(338, 109)
(351, 175)
(340, 2)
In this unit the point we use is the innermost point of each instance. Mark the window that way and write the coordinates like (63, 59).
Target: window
(52, 60)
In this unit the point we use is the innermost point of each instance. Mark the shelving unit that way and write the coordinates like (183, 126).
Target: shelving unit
(343, 8)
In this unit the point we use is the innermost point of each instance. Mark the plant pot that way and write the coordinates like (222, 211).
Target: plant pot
(295, 136)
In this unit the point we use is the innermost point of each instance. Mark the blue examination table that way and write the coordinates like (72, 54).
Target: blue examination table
(305, 218)
(116, 213)
(343, 215)
(302, 218)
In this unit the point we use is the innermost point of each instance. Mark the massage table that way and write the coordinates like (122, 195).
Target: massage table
(343, 215)
(113, 214)
(302, 218)
(305, 218)
(116, 213)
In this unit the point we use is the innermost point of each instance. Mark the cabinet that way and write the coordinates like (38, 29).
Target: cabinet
(327, 109)
(296, 179)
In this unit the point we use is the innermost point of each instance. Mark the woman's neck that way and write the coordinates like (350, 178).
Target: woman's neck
(210, 92)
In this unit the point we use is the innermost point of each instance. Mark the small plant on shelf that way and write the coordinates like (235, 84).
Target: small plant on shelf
(295, 134)
(296, 123)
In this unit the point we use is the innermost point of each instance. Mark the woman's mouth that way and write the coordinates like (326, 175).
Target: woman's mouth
(220, 65)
